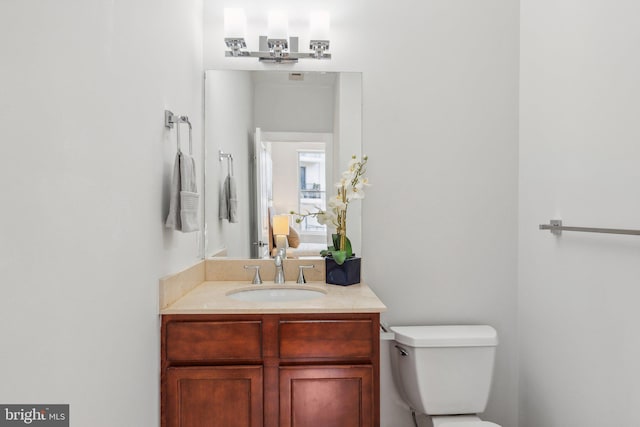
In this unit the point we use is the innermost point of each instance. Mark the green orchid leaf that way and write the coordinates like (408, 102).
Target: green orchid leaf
(336, 245)
(347, 249)
(339, 257)
(336, 241)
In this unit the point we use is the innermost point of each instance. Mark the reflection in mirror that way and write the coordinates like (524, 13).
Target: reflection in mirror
(290, 135)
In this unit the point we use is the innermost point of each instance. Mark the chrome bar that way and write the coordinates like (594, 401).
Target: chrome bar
(222, 155)
(556, 227)
(185, 119)
(278, 52)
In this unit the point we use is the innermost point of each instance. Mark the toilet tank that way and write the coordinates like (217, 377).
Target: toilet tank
(444, 370)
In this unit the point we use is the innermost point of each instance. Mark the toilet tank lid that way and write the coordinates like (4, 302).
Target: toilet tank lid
(446, 336)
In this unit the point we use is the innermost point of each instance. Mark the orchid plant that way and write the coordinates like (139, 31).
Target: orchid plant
(350, 188)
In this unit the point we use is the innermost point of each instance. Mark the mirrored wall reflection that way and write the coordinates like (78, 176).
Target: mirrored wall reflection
(290, 136)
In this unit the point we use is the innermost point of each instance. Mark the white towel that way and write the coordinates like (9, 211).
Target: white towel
(223, 200)
(233, 200)
(189, 197)
(173, 219)
(228, 206)
(184, 197)
(189, 203)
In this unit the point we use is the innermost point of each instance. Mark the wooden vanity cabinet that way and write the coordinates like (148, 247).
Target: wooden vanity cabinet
(272, 370)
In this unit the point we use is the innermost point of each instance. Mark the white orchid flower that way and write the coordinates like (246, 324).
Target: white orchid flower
(325, 218)
(337, 204)
(350, 187)
(352, 162)
(355, 193)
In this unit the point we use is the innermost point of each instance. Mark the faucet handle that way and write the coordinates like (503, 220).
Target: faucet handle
(257, 280)
(301, 280)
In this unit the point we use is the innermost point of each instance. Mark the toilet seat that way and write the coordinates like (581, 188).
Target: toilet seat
(470, 424)
(461, 421)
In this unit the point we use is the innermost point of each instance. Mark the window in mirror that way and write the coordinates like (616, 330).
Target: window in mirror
(312, 191)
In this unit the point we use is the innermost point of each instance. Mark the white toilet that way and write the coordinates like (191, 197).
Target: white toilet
(445, 371)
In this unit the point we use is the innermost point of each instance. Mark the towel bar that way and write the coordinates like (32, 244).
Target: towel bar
(556, 227)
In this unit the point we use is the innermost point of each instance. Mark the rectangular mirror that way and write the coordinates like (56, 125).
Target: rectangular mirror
(276, 142)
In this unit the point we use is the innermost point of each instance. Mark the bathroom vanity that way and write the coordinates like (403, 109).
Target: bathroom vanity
(271, 364)
(245, 370)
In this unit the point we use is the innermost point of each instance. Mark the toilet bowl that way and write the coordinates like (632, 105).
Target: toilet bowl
(445, 372)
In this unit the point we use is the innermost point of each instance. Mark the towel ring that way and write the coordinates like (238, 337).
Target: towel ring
(178, 137)
(185, 119)
(229, 157)
(170, 120)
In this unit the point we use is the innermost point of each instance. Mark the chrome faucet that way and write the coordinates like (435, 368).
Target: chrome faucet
(301, 279)
(257, 280)
(279, 279)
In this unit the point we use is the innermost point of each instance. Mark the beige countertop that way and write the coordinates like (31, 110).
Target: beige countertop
(211, 297)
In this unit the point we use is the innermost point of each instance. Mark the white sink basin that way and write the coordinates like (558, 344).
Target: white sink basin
(275, 294)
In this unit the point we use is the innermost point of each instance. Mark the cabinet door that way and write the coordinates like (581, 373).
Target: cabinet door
(322, 396)
(222, 396)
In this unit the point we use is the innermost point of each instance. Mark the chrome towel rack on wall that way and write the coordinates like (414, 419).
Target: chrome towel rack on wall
(171, 120)
(222, 155)
(556, 227)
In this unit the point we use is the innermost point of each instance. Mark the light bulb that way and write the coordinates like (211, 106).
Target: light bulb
(235, 23)
(278, 25)
(319, 25)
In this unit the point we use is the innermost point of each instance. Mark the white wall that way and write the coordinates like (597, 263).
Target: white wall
(440, 82)
(579, 162)
(230, 128)
(293, 108)
(86, 170)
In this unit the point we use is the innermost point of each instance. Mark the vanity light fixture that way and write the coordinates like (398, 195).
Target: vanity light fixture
(276, 46)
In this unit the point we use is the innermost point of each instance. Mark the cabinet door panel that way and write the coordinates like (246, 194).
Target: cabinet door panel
(336, 396)
(229, 396)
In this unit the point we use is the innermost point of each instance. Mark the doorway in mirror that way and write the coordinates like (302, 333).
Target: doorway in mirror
(292, 174)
